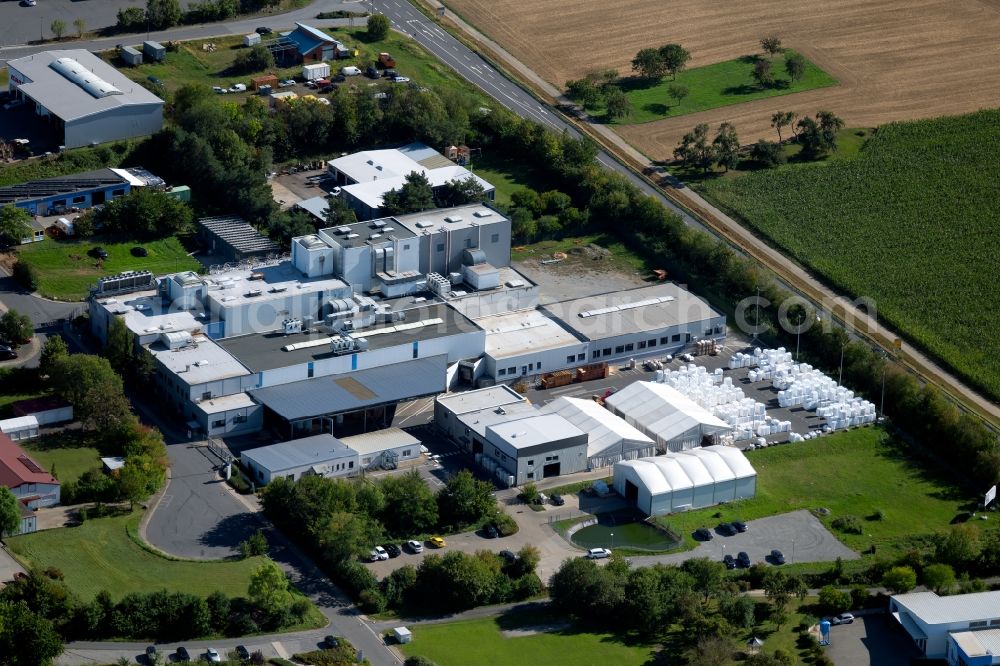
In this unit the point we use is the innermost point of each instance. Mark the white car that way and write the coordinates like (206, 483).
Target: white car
(687, 358)
(28, 3)
(845, 618)
(219, 90)
(212, 656)
(598, 553)
(286, 83)
(350, 71)
(378, 553)
(400, 79)
(415, 546)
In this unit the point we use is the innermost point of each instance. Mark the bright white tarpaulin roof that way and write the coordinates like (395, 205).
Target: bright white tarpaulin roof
(697, 467)
(663, 410)
(605, 430)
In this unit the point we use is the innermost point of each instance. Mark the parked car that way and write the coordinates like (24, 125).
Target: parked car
(392, 549)
(339, 78)
(28, 3)
(242, 652)
(598, 553)
(729, 561)
(378, 553)
(390, 73)
(219, 90)
(263, 30)
(328, 88)
(702, 534)
(437, 542)
(332, 641)
(777, 556)
(557, 500)
(743, 560)
(286, 83)
(350, 70)
(687, 358)
(508, 556)
(491, 532)
(668, 358)
(845, 618)
(415, 546)
(182, 654)
(155, 81)
(400, 79)
(139, 251)
(725, 529)
(740, 526)
(212, 656)
(98, 252)
(150, 653)
(6, 353)
(372, 72)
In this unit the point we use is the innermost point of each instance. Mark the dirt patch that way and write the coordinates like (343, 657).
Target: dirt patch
(579, 274)
(532, 630)
(895, 59)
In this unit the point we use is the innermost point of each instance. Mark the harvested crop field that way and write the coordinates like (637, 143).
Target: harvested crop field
(895, 59)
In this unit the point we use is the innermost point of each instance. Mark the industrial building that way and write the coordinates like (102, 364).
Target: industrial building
(30, 483)
(384, 449)
(319, 455)
(684, 480)
(47, 410)
(961, 628)
(85, 100)
(673, 421)
(78, 190)
(366, 176)
(306, 44)
(234, 238)
(535, 447)
(658, 319)
(609, 438)
(527, 342)
(464, 416)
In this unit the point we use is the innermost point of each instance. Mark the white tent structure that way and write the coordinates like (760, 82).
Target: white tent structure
(673, 421)
(610, 439)
(684, 480)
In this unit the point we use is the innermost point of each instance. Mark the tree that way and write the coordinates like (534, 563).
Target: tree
(132, 481)
(268, 589)
(618, 104)
(727, 146)
(820, 135)
(10, 512)
(695, 149)
(677, 92)
(829, 125)
(782, 119)
(771, 45)
(15, 224)
(464, 500)
(795, 66)
(415, 195)
(711, 651)
(255, 545)
(163, 14)
(762, 73)
(767, 153)
(939, 577)
(649, 64)
(119, 347)
(834, 600)
(80, 26)
(960, 547)
(26, 637)
(91, 385)
(585, 92)
(738, 610)
(900, 579)
(131, 19)
(706, 574)
(58, 28)
(459, 192)
(410, 506)
(145, 212)
(378, 27)
(675, 57)
(255, 59)
(15, 328)
(338, 213)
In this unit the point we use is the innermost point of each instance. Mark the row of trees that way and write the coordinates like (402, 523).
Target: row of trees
(58, 28)
(417, 194)
(655, 63)
(163, 14)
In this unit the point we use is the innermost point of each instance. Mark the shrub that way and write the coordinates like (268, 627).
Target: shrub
(243, 624)
(25, 275)
(848, 524)
(505, 524)
(529, 493)
(372, 601)
(378, 27)
(255, 59)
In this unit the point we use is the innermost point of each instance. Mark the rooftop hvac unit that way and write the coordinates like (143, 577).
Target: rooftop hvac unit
(351, 236)
(438, 283)
(482, 213)
(452, 219)
(375, 237)
(343, 230)
(424, 224)
(378, 224)
(252, 293)
(292, 326)
(277, 290)
(386, 230)
(455, 278)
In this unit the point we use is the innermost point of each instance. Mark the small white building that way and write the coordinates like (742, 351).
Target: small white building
(610, 438)
(672, 420)
(402, 634)
(20, 428)
(680, 481)
(536, 447)
(319, 455)
(47, 410)
(384, 449)
(940, 626)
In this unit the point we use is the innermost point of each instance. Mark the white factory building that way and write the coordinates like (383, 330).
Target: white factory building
(366, 176)
(527, 342)
(538, 446)
(464, 416)
(319, 455)
(609, 438)
(673, 421)
(684, 480)
(963, 629)
(86, 100)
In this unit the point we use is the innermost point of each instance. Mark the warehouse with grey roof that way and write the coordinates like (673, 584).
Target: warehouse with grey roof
(83, 98)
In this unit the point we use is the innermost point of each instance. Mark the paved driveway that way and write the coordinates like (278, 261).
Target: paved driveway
(798, 535)
(8, 566)
(871, 640)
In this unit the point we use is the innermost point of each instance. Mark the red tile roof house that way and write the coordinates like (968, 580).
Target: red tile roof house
(29, 482)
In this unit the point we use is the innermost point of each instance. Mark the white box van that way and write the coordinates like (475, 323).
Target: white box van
(350, 71)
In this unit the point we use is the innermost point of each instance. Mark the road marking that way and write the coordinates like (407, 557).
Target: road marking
(280, 649)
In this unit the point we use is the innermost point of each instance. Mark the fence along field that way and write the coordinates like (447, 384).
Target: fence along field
(910, 222)
(895, 59)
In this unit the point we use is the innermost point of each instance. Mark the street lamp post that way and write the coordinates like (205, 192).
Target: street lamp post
(612, 541)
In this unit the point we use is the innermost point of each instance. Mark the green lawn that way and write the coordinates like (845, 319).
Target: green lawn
(856, 472)
(481, 643)
(99, 555)
(621, 258)
(908, 223)
(71, 452)
(65, 270)
(713, 86)
(507, 175)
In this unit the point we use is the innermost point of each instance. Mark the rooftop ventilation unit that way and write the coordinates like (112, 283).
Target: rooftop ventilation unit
(452, 219)
(375, 237)
(386, 230)
(424, 224)
(351, 236)
(482, 213)
(252, 293)
(343, 230)
(277, 290)
(378, 224)
(290, 326)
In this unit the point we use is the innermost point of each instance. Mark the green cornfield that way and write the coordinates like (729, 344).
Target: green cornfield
(913, 221)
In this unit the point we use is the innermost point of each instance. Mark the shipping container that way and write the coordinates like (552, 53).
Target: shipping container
(315, 71)
(251, 40)
(554, 379)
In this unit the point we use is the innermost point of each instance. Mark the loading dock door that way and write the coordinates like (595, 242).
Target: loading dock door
(631, 493)
(477, 446)
(552, 469)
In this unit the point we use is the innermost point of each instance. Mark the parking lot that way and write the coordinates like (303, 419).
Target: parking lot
(871, 640)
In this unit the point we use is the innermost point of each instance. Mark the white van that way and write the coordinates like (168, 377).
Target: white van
(350, 71)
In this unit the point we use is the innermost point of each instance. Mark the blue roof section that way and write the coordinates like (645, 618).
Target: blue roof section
(315, 450)
(307, 38)
(344, 393)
